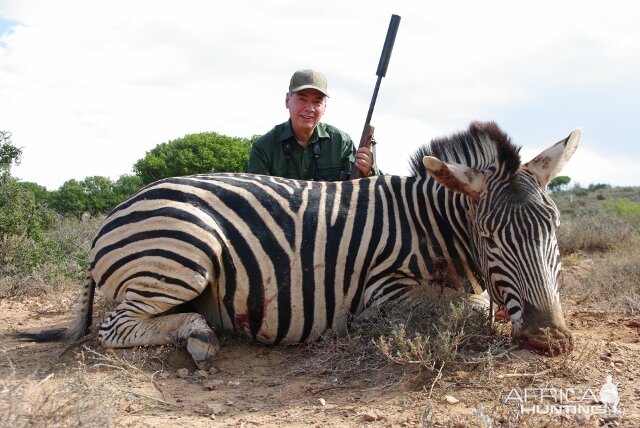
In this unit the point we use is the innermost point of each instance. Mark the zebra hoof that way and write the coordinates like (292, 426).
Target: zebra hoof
(203, 347)
(478, 303)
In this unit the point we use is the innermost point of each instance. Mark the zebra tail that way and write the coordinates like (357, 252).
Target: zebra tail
(78, 328)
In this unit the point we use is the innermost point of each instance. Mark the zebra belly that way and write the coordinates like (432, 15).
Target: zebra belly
(272, 322)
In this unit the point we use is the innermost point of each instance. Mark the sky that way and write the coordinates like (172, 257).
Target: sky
(88, 88)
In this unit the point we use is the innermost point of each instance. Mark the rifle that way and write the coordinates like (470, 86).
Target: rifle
(367, 132)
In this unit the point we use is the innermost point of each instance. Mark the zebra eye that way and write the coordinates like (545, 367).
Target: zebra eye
(491, 243)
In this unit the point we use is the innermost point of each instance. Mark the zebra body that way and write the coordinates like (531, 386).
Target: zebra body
(280, 260)
(284, 261)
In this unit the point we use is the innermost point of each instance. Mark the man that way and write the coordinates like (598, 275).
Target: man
(303, 148)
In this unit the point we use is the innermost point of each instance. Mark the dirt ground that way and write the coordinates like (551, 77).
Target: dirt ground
(254, 385)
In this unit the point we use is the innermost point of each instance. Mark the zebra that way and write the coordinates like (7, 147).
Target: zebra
(284, 261)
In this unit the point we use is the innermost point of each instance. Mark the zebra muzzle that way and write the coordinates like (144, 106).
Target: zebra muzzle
(547, 344)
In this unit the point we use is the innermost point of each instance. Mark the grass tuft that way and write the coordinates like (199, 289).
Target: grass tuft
(410, 341)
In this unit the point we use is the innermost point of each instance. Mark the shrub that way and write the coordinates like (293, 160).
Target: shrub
(56, 257)
(613, 283)
(593, 232)
(597, 186)
(20, 215)
(74, 238)
(626, 209)
(415, 339)
(194, 154)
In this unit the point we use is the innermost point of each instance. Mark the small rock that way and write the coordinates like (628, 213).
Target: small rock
(371, 416)
(583, 419)
(214, 370)
(217, 408)
(451, 399)
(461, 374)
(322, 401)
(234, 383)
(213, 384)
(201, 373)
(131, 409)
(182, 373)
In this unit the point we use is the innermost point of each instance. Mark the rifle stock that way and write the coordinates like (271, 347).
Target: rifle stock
(365, 141)
(367, 132)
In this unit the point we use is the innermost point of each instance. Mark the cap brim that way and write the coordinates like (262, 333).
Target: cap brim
(303, 87)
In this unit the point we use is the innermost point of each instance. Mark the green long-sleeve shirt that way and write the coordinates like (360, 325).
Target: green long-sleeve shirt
(278, 153)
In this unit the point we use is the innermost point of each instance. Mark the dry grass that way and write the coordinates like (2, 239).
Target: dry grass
(92, 394)
(411, 342)
(593, 232)
(609, 282)
(50, 402)
(74, 238)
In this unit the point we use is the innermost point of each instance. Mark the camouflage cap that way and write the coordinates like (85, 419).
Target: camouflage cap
(308, 79)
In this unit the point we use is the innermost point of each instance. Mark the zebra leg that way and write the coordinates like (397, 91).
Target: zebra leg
(378, 295)
(429, 291)
(139, 324)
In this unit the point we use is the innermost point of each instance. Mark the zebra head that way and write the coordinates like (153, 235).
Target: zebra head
(512, 225)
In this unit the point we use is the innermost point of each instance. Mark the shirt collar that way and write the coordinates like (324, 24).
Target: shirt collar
(319, 133)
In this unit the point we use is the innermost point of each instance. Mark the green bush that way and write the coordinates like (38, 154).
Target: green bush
(626, 209)
(58, 256)
(598, 186)
(94, 195)
(22, 256)
(580, 192)
(20, 215)
(194, 154)
(623, 207)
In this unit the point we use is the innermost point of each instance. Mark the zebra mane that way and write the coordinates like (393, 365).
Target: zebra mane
(481, 146)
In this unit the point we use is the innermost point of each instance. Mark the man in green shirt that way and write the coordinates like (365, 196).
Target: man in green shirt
(302, 147)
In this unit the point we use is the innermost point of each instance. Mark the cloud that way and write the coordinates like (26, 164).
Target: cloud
(88, 88)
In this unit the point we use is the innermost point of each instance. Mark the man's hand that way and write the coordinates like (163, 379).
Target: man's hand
(364, 161)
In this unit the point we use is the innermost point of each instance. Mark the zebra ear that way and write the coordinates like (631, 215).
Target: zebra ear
(550, 162)
(456, 177)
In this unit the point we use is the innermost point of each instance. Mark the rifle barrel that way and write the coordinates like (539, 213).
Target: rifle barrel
(374, 97)
(388, 45)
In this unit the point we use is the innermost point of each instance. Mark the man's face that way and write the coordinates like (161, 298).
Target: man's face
(305, 109)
